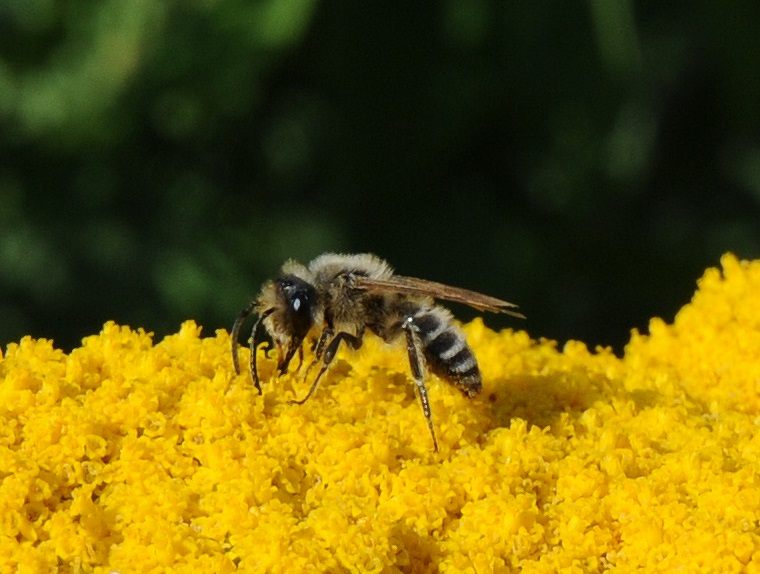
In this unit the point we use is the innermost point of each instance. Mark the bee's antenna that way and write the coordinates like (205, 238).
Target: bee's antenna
(254, 344)
(234, 334)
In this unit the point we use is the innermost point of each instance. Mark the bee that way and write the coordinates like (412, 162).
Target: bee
(337, 298)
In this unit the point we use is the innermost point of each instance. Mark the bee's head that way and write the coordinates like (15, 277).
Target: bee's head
(293, 308)
(288, 307)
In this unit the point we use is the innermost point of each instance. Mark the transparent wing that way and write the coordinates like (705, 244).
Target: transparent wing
(414, 286)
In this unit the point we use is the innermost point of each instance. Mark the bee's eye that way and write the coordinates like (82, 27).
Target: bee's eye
(300, 297)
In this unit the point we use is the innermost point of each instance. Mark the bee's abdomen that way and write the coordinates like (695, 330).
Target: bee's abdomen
(446, 350)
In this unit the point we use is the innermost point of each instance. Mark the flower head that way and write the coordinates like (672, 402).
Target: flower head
(133, 456)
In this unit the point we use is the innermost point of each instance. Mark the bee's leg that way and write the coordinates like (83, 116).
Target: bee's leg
(413, 348)
(355, 341)
(300, 358)
(327, 333)
(295, 344)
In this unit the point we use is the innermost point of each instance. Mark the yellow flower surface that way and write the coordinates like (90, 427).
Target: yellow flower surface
(133, 456)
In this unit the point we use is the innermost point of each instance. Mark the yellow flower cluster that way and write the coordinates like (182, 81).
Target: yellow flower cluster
(129, 456)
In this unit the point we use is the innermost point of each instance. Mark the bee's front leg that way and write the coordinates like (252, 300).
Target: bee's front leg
(354, 341)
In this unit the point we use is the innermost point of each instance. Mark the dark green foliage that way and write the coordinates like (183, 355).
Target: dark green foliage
(158, 160)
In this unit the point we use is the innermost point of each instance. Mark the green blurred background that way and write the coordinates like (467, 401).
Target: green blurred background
(160, 159)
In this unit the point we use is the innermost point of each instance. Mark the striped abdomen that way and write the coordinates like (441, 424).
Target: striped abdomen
(445, 348)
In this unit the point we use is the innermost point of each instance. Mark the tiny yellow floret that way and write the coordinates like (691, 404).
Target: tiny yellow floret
(127, 455)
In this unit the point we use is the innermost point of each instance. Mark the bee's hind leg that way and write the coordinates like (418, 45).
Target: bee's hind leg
(355, 341)
(413, 346)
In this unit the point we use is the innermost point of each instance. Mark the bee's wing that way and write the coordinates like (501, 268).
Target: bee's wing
(414, 286)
